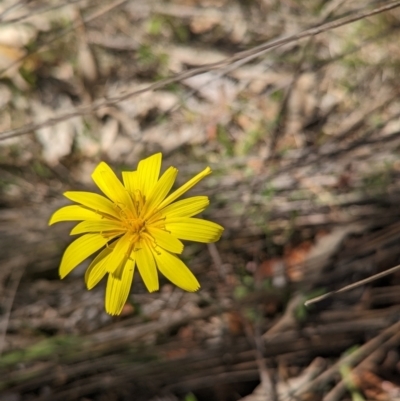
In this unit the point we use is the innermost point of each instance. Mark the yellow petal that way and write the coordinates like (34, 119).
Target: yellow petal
(79, 250)
(90, 226)
(176, 271)
(185, 187)
(186, 207)
(118, 287)
(160, 191)
(97, 269)
(120, 253)
(147, 265)
(130, 180)
(165, 240)
(192, 229)
(148, 173)
(112, 187)
(73, 213)
(93, 201)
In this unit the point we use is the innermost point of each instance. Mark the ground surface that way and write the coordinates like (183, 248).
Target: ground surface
(303, 137)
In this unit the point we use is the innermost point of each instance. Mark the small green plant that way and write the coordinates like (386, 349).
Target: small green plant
(181, 32)
(190, 397)
(379, 180)
(277, 95)
(250, 141)
(351, 386)
(268, 192)
(224, 139)
(40, 169)
(145, 55)
(155, 25)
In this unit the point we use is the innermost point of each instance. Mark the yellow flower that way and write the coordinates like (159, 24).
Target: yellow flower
(136, 224)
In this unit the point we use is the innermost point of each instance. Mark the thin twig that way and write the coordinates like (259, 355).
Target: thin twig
(352, 286)
(236, 60)
(216, 257)
(17, 266)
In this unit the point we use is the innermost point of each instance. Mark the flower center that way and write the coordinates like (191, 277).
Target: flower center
(131, 217)
(136, 217)
(135, 226)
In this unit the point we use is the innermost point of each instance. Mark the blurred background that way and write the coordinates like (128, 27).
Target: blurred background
(304, 144)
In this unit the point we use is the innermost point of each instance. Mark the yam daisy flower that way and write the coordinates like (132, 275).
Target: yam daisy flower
(136, 224)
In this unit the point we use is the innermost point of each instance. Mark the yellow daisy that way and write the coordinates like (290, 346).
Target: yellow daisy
(136, 224)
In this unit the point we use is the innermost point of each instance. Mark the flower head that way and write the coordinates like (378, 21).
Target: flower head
(137, 224)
